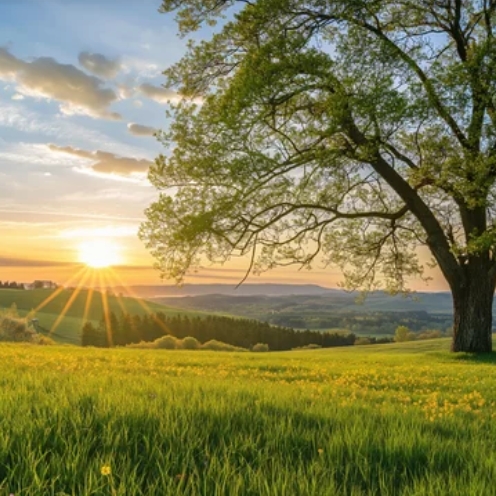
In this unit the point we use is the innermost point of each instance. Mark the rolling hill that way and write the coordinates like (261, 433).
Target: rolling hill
(334, 300)
(247, 289)
(69, 328)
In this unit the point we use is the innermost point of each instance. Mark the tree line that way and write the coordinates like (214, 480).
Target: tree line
(383, 322)
(125, 329)
(11, 285)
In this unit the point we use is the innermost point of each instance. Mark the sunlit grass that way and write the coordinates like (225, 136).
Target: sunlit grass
(400, 419)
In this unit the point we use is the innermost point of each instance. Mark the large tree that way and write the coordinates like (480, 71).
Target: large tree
(348, 131)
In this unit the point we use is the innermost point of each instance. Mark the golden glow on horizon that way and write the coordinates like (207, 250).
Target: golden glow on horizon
(79, 282)
(99, 254)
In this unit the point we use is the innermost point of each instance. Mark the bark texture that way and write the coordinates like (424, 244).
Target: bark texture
(472, 304)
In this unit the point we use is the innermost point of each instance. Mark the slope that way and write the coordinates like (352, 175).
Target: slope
(53, 303)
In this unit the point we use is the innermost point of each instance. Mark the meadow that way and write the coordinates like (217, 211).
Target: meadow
(70, 319)
(400, 419)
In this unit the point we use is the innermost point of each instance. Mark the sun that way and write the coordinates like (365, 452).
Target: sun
(99, 254)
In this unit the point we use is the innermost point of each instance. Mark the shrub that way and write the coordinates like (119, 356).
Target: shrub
(189, 343)
(430, 334)
(260, 347)
(402, 334)
(142, 345)
(215, 345)
(308, 347)
(171, 343)
(15, 329)
(43, 340)
(362, 341)
(166, 343)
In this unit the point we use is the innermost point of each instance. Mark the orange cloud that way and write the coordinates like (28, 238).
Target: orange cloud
(107, 163)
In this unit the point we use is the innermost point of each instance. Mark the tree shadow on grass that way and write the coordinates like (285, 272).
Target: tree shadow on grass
(362, 453)
(485, 358)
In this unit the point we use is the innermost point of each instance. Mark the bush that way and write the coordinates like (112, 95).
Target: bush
(15, 329)
(190, 343)
(166, 343)
(430, 334)
(260, 347)
(402, 334)
(362, 341)
(308, 347)
(143, 345)
(43, 340)
(215, 345)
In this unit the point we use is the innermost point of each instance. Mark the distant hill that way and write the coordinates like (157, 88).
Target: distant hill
(378, 315)
(222, 297)
(70, 326)
(335, 300)
(268, 289)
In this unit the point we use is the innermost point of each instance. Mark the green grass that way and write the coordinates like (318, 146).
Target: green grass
(402, 419)
(67, 332)
(69, 328)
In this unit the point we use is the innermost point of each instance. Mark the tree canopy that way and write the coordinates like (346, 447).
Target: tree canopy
(347, 131)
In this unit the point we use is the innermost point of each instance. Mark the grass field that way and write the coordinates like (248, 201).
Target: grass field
(69, 328)
(407, 419)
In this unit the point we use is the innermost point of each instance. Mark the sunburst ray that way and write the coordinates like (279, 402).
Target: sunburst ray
(69, 302)
(140, 301)
(106, 313)
(89, 297)
(57, 292)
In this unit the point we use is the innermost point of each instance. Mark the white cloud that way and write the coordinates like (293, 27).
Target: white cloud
(165, 95)
(20, 117)
(125, 91)
(139, 130)
(106, 163)
(157, 93)
(99, 65)
(34, 154)
(142, 69)
(44, 77)
(18, 96)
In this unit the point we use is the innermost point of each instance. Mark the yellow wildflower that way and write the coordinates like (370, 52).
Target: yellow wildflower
(105, 470)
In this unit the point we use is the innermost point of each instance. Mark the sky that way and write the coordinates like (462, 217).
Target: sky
(81, 94)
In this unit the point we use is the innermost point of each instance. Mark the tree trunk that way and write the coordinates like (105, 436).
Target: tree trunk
(472, 305)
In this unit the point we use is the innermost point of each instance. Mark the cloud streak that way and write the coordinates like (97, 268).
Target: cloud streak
(20, 262)
(107, 163)
(139, 130)
(44, 77)
(160, 95)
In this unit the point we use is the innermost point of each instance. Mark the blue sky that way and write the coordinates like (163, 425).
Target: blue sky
(74, 77)
(52, 196)
(80, 96)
